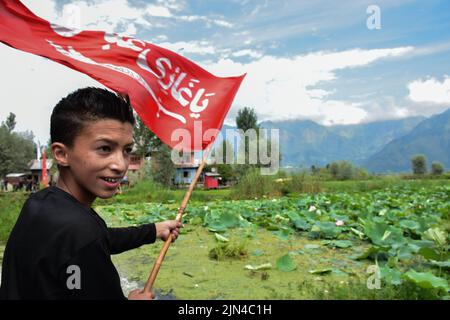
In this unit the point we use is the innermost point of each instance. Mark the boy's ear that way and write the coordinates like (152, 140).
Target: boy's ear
(60, 154)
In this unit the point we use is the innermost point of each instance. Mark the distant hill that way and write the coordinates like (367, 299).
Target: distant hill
(305, 143)
(381, 146)
(430, 137)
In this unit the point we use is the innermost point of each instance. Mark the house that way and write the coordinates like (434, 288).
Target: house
(16, 178)
(184, 173)
(35, 167)
(185, 170)
(136, 162)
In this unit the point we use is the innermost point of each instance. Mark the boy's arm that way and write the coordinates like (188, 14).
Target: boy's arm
(123, 239)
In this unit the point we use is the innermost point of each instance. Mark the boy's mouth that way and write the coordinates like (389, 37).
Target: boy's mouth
(111, 182)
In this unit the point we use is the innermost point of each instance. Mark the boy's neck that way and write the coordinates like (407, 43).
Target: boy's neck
(66, 184)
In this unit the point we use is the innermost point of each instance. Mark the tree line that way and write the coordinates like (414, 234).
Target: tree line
(16, 148)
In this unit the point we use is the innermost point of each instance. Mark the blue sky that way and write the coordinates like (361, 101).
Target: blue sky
(305, 59)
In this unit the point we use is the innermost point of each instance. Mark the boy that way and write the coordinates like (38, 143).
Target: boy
(60, 247)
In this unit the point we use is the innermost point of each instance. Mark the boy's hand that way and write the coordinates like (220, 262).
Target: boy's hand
(165, 228)
(140, 295)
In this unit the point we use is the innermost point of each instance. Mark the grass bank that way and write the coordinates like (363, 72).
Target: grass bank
(10, 205)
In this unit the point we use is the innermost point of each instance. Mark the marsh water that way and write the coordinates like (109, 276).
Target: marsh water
(189, 273)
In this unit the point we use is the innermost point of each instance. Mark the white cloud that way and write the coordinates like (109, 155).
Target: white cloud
(131, 29)
(223, 23)
(117, 16)
(286, 88)
(248, 52)
(158, 11)
(385, 107)
(197, 47)
(176, 5)
(219, 22)
(161, 37)
(105, 15)
(430, 90)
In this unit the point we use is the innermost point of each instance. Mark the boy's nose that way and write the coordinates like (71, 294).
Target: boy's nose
(119, 163)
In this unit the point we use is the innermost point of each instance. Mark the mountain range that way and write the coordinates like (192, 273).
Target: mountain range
(381, 146)
(430, 137)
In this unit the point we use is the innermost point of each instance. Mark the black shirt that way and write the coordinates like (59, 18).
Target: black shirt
(61, 249)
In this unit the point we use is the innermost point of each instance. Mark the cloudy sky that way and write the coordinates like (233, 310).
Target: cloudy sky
(313, 60)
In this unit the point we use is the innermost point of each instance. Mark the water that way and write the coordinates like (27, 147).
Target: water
(128, 286)
(160, 295)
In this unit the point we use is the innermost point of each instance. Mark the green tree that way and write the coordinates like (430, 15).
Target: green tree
(334, 169)
(437, 168)
(48, 149)
(163, 169)
(10, 122)
(419, 164)
(145, 140)
(247, 119)
(251, 142)
(226, 172)
(343, 170)
(315, 170)
(16, 150)
(346, 170)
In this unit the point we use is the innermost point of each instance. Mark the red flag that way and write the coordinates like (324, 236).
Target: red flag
(168, 91)
(44, 177)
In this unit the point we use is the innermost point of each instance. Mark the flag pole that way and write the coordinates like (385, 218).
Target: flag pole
(162, 253)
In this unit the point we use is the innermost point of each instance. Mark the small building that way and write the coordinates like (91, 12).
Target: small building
(185, 173)
(211, 180)
(185, 170)
(16, 178)
(35, 167)
(136, 162)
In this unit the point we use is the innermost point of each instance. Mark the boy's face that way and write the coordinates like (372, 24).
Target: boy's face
(99, 153)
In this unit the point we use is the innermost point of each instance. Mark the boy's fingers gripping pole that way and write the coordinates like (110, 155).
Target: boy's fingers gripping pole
(151, 279)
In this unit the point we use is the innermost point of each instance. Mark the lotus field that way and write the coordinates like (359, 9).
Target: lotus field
(381, 244)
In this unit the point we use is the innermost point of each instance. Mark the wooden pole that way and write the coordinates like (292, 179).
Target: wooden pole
(162, 253)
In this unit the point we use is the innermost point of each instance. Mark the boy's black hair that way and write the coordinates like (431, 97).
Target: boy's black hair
(85, 105)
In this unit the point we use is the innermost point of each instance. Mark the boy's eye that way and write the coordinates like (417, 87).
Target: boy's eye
(105, 148)
(128, 150)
